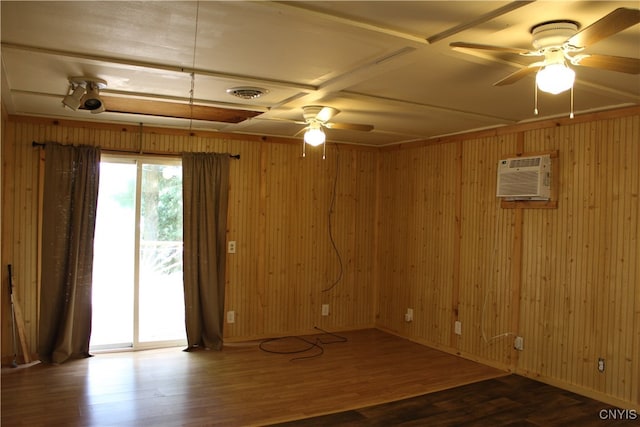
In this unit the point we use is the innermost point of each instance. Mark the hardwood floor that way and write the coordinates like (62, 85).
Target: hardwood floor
(506, 401)
(239, 386)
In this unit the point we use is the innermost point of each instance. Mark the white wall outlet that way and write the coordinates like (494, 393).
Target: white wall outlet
(600, 364)
(231, 247)
(457, 327)
(231, 316)
(518, 343)
(325, 309)
(408, 316)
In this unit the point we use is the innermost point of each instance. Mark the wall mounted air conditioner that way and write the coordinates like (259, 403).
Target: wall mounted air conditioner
(525, 178)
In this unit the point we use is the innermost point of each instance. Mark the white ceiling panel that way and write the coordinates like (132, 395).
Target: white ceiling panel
(382, 63)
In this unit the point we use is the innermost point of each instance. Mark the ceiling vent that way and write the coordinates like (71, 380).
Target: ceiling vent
(247, 92)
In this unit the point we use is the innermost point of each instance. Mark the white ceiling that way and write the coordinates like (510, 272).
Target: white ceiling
(370, 59)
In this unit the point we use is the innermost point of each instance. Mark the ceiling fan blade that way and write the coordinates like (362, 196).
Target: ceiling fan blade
(521, 73)
(326, 113)
(301, 131)
(610, 24)
(465, 45)
(350, 126)
(606, 62)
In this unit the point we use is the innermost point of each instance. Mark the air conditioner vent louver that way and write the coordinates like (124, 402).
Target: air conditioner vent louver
(524, 178)
(524, 162)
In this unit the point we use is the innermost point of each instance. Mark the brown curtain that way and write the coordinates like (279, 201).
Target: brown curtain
(69, 216)
(205, 180)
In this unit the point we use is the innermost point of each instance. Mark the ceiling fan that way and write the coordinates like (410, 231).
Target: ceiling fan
(317, 117)
(559, 42)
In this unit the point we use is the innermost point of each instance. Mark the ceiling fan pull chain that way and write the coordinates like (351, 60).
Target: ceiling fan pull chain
(535, 99)
(324, 150)
(571, 113)
(304, 149)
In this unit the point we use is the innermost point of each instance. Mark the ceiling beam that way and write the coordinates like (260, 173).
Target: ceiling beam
(299, 8)
(161, 67)
(480, 20)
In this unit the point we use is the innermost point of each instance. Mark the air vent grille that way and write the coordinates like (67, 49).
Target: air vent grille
(247, 92)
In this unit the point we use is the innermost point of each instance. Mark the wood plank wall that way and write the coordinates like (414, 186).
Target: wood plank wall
(417, 226)
(575, 295)
(278, 215)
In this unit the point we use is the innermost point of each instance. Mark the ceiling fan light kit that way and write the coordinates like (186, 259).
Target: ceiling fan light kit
(558, 41)
(315, 136)
(317, 117)
(555, 78)
(85, 94)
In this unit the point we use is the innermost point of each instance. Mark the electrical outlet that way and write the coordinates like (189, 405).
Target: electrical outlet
(457, 327)
(325, 309)
(231, 247)
(408, 316)
(600, 364)
(231, 316)
(518, 343)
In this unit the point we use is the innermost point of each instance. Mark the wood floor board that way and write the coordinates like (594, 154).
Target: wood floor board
(372, 379)
(239, 386)
(499, 402)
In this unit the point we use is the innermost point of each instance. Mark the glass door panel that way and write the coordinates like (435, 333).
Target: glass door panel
(114, 256)
(161, 297)
(138, 298)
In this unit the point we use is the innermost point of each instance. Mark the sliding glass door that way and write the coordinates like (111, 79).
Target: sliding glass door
(138, 299)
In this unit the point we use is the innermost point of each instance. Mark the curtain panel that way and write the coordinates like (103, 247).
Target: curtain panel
(205, 180)
(69, 217)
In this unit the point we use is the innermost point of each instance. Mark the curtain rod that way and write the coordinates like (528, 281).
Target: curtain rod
(42, 144)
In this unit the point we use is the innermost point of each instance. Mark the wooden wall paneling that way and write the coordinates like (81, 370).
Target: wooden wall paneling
(416, 241)
(242, 226)
(632, 133)
(487, 233)
(391, 245)
(352, 223)
(366, 238)
(278, 216)
(3, 295)
(20, 210)
(617, 226)
(580, 296)
(337, 174)
(532, 294)
(8, 197)
(457, 240)
(577, 259)
(435, 228)
(300, 260)
(25, 219)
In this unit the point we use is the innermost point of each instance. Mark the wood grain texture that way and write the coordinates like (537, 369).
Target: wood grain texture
(504, 401)
(418, 226)
(278, 215)
(578, 270)
(238, 386)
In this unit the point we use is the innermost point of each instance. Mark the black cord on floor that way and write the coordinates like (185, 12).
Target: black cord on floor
(315, 345)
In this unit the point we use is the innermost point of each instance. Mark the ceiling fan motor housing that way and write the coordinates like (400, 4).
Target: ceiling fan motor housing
(552, 34)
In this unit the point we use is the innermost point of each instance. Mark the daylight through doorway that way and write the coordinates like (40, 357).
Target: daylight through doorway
(138, 299)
